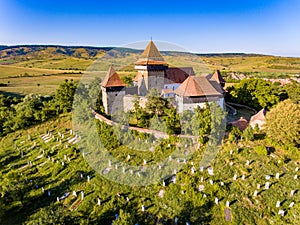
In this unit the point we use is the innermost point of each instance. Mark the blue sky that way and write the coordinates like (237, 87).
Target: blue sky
(250, 26)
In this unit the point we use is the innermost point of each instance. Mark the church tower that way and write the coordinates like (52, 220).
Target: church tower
(151, 69)
(113, 92)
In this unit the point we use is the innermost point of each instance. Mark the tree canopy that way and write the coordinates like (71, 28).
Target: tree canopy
(283, 123)
(256, 93)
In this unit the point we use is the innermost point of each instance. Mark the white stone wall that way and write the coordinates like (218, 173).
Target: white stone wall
(191, 106)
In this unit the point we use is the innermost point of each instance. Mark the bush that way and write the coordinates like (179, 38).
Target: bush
(262, 150)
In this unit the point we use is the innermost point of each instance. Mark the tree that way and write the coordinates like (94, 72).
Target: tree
(256, 93)
(248, 134)
(64, 96)
(53, 214)
(283, 123)
(124, 218)
(234, 134)
(293, 91)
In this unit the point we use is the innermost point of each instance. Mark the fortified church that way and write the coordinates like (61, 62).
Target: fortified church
(186, 90)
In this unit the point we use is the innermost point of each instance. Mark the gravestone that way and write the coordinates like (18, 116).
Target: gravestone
(267, 185)
(222, 183)
(277, 175)
(296, 177)
(176, 220)
(231, 163)
(49, 193)
(277, 204)
(174, 179)
(243, 177)
(216, 201)
(292, 204)
(247, 163)
(164, 184)
(255, 193)
(268, 177)
(227, 203)
(210, 171)
(74, 193)
(43, 190)
(201, 188)
(234, 177)
(292, 193)
(143, 208)
(211, 182)
(258, 186)
(98, 201)
(88, 179)
(193, 170)
(82, 195)
(281, 212)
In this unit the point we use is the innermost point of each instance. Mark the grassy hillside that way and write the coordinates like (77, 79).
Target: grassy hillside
(41, 158)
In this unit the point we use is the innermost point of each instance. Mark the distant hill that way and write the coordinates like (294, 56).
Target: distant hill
(40, 68)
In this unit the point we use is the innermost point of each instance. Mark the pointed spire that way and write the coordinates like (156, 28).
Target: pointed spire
(218, 77)
(112, 79)
(151, 52)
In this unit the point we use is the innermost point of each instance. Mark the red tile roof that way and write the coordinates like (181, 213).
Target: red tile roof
(112, 79)
(216, 76)
(198, 86)
(151, 56)
(241, 123)
(261, 115)
(151, 51)
(177, 75)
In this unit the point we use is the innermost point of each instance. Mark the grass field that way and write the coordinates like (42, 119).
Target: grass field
(41, 70)
(46, 170)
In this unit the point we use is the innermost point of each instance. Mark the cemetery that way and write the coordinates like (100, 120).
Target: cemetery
(42, 171)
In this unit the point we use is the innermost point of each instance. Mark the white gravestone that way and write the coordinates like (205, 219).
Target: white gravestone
(234, 177)
(216, 201)
(210, 171)
(292, 204)
(267, 185)
(227, 203)
(277, 204)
